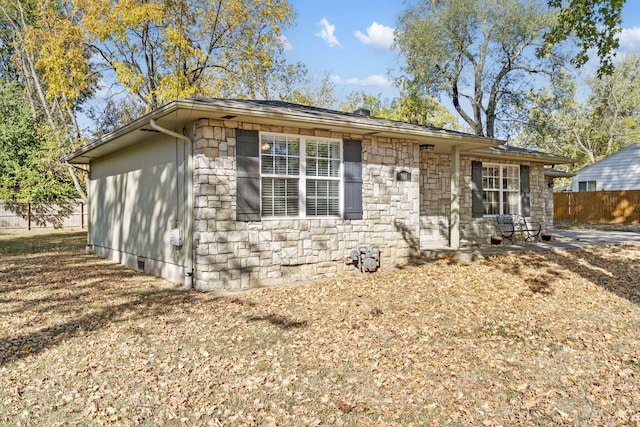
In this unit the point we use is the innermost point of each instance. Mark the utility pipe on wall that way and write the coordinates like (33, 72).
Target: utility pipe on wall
(190, 265)
(166, 131)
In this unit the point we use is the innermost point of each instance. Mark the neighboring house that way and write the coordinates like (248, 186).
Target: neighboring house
(618, 171)
(241, 193)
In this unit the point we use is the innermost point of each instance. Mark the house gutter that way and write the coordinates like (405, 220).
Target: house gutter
(189, 268)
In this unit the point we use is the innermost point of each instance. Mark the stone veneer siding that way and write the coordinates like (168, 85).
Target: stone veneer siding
(435, 200)
(231, 254)
(548, 204)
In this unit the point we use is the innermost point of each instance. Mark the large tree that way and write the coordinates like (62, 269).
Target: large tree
(48, 59)
(594, 24)
(164, 50)
(606, 121)
(479, 53)
(551, 113)
(29, 167)
(300, 87)
(425, 110)
(154, 51)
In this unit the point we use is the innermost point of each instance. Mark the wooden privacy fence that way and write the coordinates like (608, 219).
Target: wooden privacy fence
(597, 206)
(12, 220)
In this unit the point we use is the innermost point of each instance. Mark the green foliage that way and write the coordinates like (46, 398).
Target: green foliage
(375, 104)
(550, 112)
(7, 68)
(29, 167)
(298, 86)
(477, 53)
(595, 24)
(160, 51)
(51, 63)
(424, 110)
(156, 51)
(608, 120)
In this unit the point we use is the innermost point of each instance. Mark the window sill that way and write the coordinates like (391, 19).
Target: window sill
(284, 218)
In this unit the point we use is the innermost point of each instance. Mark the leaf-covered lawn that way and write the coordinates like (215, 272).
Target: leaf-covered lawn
(534, 339)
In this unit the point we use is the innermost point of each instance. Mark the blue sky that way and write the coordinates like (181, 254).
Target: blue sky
(349, 40)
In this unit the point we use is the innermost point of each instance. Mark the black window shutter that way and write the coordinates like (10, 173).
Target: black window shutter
(352, 178)
(477, 205)
(247, 175)
(525, 192)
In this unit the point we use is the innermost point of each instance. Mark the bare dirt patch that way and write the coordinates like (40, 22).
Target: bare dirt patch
(545, 338)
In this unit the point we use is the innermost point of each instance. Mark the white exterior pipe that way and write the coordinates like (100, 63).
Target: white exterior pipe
(188, 277)
(166, 131)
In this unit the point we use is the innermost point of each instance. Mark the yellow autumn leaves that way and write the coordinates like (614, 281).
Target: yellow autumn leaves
(157, 50)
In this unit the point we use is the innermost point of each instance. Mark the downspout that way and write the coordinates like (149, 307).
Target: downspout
(189, 268)
(89, 246)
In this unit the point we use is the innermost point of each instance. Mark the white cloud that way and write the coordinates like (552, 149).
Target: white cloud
(378, 35)
(630, 40)
(286, 44)
(326, 33)
(377, 80)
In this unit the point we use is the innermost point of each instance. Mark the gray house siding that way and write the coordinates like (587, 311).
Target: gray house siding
(398, 216)
(619, 171)
(480, 230)
(138, 196)
(243, 181)
(241, 254)
(435, 199)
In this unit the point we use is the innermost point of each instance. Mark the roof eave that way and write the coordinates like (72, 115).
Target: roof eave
(554, 173)
(544, 158)
(178, 114)
(364, 126)
(79, 156)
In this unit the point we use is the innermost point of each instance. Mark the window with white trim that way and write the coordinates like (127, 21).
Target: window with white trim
(500, 189)
(301, 176)
(586, 186)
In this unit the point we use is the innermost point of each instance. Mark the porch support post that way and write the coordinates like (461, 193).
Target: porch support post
(454, 225)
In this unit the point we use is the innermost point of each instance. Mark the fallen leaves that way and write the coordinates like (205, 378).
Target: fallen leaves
(520, 339)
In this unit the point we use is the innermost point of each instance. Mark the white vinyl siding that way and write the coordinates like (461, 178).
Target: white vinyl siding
(616, 172)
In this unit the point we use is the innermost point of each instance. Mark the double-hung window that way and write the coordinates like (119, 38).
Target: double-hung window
(300, 176)
(500, 189)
